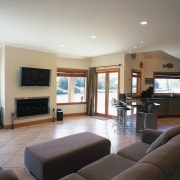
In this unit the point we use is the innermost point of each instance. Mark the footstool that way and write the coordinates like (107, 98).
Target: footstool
(59, 157)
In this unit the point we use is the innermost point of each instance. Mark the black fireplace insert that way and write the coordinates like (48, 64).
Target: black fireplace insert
(31, 106)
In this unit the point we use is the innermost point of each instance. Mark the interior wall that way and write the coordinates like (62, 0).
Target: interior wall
(111, 59)
(152, 62)
(156, 65)
(73, 64)
(0, 69)
(129, 64)
(14, 59)
(2, 77)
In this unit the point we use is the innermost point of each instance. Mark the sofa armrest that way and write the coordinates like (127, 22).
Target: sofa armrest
(150, 135)
(8, 174)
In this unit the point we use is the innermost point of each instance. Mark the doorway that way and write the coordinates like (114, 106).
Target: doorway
(107, 88)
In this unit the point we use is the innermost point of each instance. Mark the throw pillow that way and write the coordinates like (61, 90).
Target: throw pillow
(163, 138)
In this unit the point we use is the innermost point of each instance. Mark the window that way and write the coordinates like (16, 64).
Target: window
(71, 85)
(135, 82)
(166, 83)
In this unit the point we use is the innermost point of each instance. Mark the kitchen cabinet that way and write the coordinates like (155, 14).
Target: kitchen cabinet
(168, 106)
(174, 107)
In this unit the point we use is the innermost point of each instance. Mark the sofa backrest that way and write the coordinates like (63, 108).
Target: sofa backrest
(162, 163)
(166, 158)
(145, 171)
(175, 139)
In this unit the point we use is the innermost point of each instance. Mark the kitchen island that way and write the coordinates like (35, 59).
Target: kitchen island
(151, 121)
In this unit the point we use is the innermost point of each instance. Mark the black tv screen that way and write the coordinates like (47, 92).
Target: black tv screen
(34, 76)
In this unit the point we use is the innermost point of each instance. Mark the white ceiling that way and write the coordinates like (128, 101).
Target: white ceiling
(47, 25)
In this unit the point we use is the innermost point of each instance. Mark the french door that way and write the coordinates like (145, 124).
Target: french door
(107, 88)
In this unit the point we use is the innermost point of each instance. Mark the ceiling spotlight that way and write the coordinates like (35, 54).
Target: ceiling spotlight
(143, 23)
(141, 42)
(93, 37)
(61, 45)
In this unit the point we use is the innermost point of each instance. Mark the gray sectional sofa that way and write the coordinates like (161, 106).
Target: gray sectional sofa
(7, 174)
(156, 157)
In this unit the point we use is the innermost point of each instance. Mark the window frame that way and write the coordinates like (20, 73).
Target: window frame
(139, 76)
(165, 75)
(73, 73)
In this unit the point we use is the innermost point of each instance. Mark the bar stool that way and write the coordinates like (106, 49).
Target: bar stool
(146, 109)
(117, 119)
(123, 122)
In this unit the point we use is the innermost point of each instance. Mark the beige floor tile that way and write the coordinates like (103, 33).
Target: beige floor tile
(14, 141)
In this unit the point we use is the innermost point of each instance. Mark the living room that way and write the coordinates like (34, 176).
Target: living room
(72, 124)
(12, 58)
(138, 43)
(135, 55)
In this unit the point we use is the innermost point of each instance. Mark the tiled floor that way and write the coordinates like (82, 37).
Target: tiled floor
(13, 142)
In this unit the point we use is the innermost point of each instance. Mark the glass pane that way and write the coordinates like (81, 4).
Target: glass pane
(134, 84)
(79, 89)
(113, 92)
(71, 89)
(101, 93)
(167, 86)
(62, 89)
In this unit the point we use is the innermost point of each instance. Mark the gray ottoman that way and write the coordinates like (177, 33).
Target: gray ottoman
(59, 157)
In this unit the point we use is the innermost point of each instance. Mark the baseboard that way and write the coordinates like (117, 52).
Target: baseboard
(39, 121)
(27, 123)
(74, 114)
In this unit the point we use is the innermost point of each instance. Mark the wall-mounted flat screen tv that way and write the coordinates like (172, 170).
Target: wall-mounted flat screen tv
(35, 76)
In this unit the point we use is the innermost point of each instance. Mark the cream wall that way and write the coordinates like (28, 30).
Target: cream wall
(111, 59)
(2, 76)
(0, 69)
(129, 64)
(14, 59)
(74, 64)
(11, 59)
(156, 65)
(152, 62)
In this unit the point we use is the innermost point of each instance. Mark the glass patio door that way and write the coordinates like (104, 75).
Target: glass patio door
(107, 88)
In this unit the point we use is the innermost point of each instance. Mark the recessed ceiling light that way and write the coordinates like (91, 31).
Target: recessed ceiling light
(143, 22)
(93, 37)
(135, 47)
(61, 45)
(141, 42)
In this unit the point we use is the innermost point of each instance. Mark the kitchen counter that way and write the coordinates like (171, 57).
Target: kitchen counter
(163, 98)
(151, 118)
(169, 106)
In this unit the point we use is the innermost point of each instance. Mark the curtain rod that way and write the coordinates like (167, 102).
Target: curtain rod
(108, 66)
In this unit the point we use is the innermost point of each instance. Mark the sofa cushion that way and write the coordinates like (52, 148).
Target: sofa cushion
(135, 151)
(8, 174)
(166, 158)
(175, 139)
(150, 135)
(73, 176)
(59, 157)
(144, 171)
(105, 168)
(163, 138)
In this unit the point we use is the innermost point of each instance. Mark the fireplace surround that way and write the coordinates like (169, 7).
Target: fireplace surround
(31, 106)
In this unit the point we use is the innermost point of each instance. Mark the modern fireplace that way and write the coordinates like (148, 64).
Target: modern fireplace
(27, 107)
